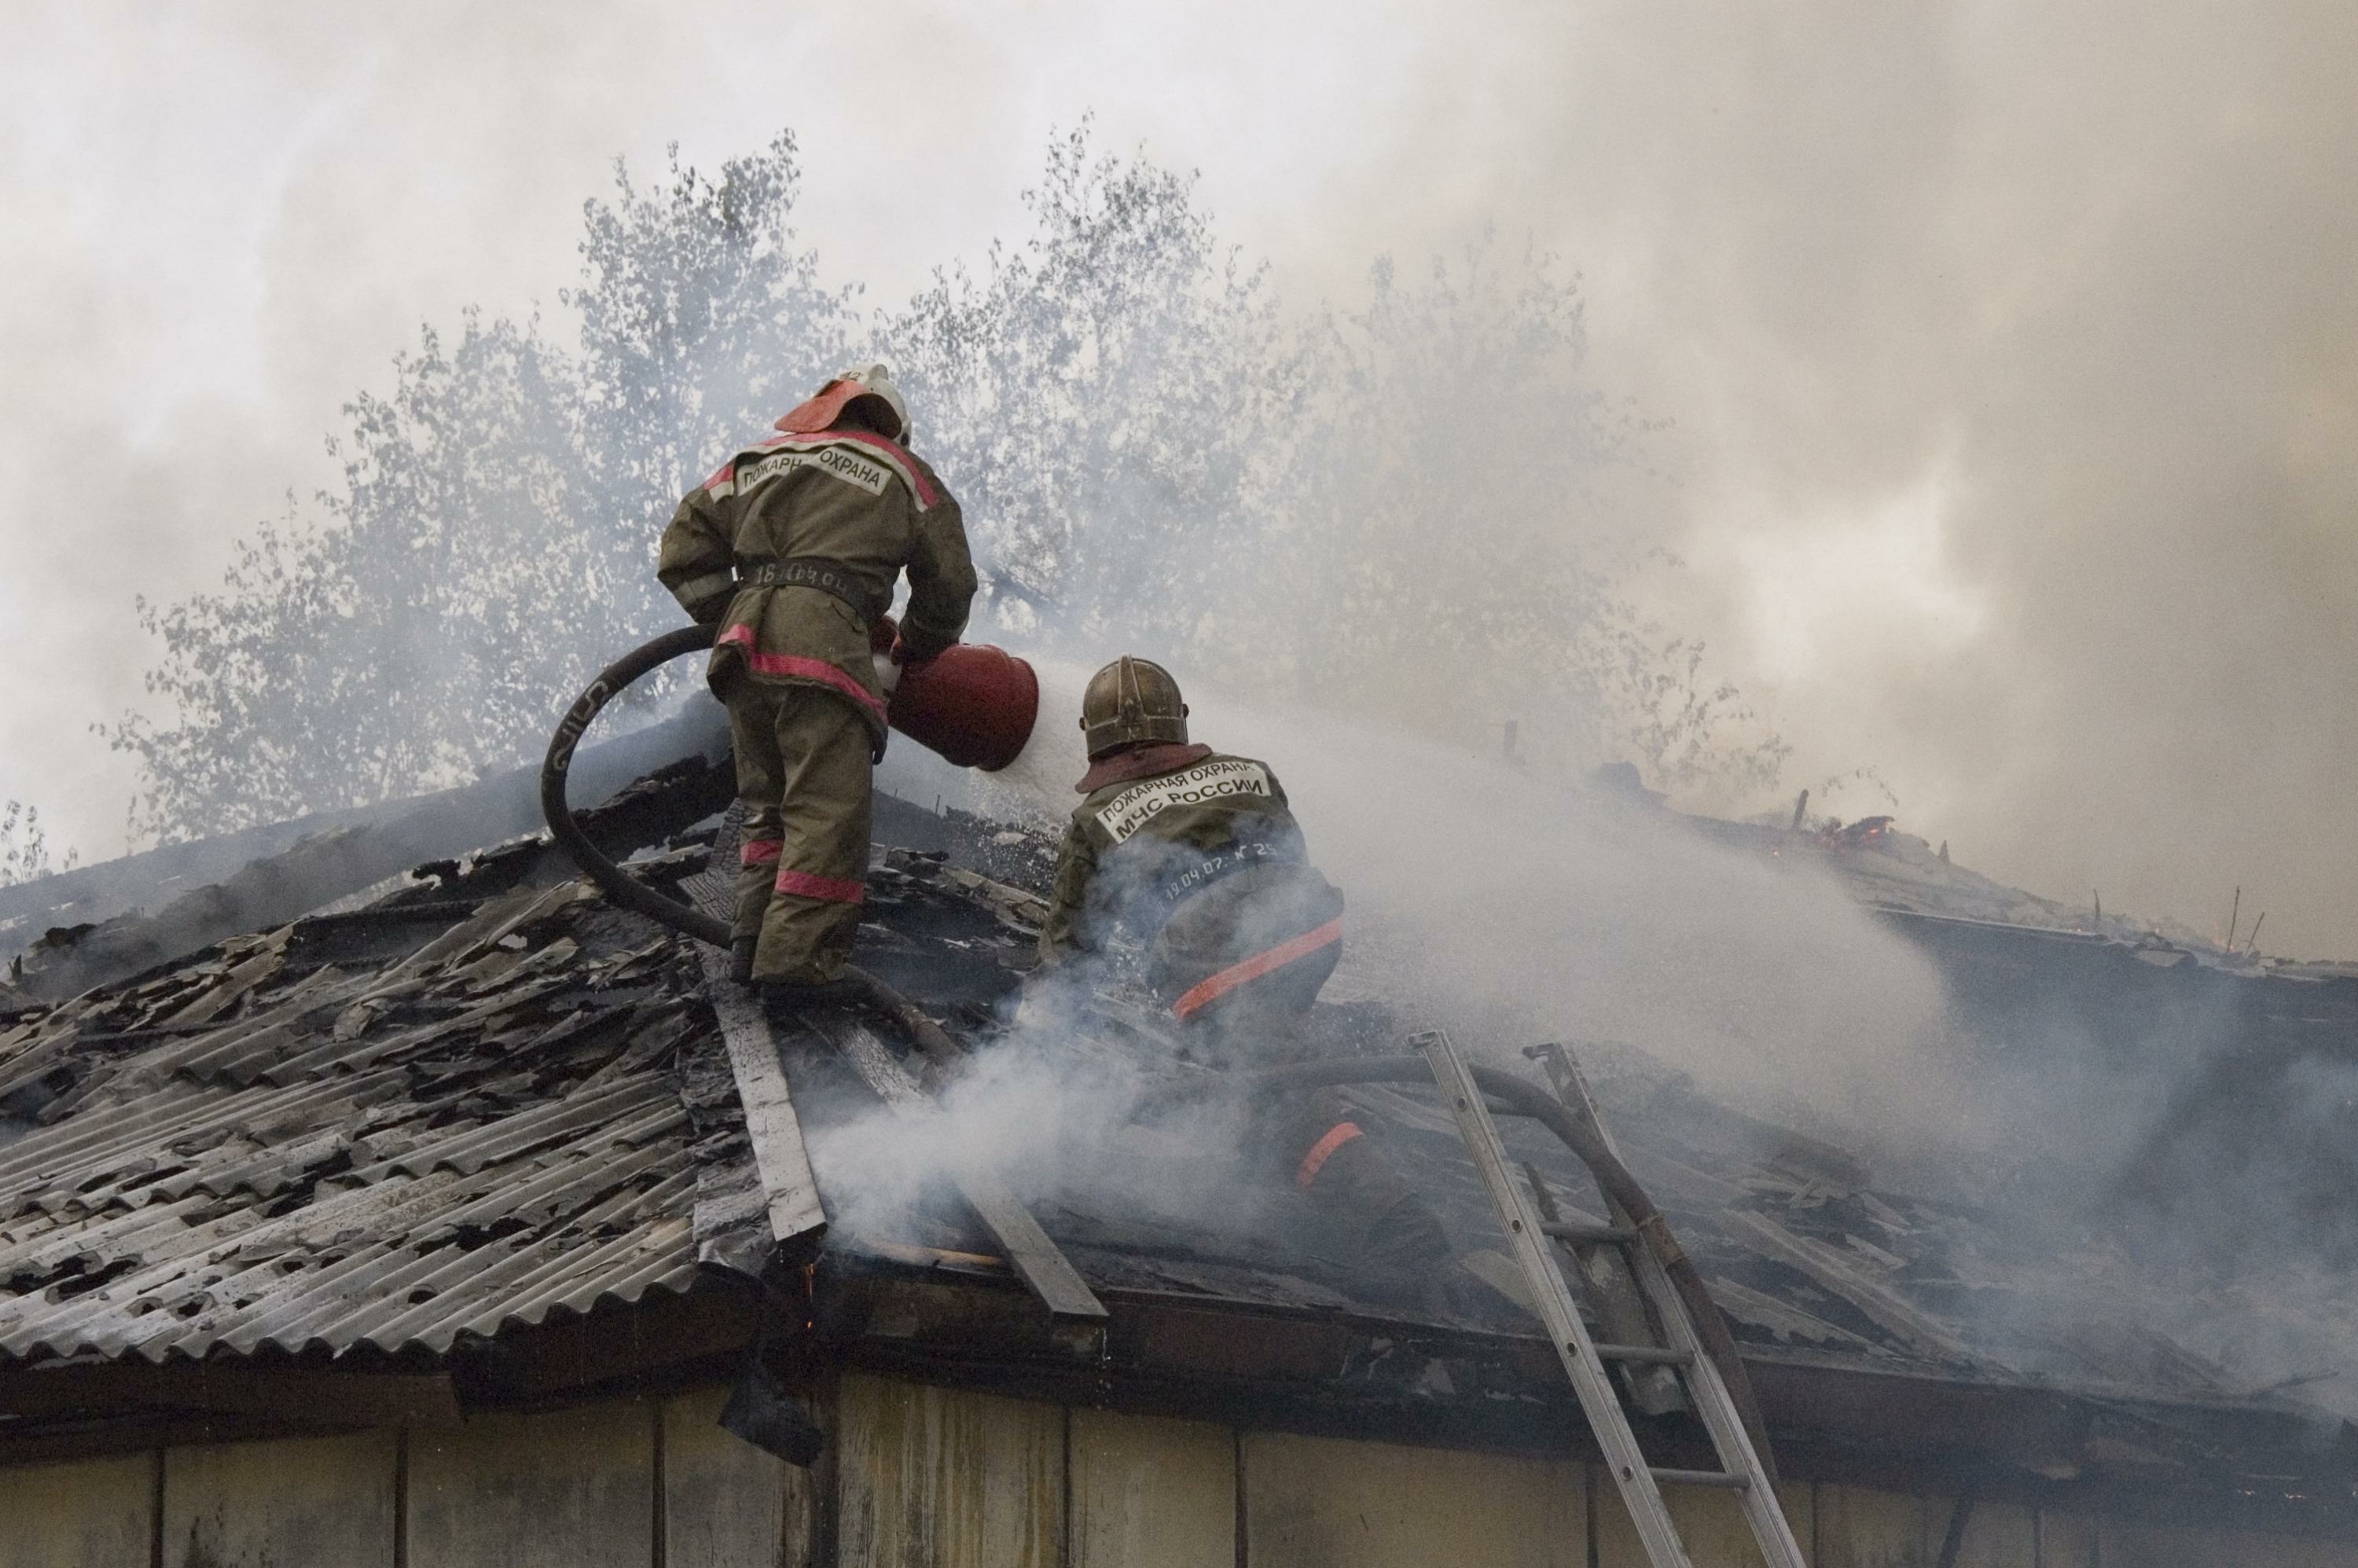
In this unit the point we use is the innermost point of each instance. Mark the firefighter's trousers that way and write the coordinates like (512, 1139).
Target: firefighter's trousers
(804, 772)
(1241, 964)
(1393, 1239)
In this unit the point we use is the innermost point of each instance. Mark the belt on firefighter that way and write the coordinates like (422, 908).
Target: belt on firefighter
(1200, 997)
(810, 572)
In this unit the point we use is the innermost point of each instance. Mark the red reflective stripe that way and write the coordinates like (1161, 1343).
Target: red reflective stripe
(927, 494)
(759, 851)
(1257, 966)
(1342, 1133)
(834, 890)
(796, 665)
(726, 473)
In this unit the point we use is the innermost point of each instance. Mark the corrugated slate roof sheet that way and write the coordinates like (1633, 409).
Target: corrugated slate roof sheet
(387, 1129)
(359, 1131)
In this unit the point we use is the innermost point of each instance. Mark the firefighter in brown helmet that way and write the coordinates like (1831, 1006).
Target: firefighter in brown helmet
(1198, 857)
(793, 546)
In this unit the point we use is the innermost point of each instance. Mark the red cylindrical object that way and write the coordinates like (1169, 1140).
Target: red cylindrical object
(975, 705)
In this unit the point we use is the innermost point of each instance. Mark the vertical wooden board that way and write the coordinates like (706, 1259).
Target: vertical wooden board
(1152, 1493)
(1710, 1521)
(2066, 1539)
(94, 1513)
(931, 1477)
(1799, 1501)
(727, 1504)
(1859, 1528)
(1319, 1502)
(571, 1489)
(257, 1505)
(1997, 1535)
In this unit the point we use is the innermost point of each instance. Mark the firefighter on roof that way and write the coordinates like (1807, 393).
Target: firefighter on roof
(1198, 857)
(792, 548)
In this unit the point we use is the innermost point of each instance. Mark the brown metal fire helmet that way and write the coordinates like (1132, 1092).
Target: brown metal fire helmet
(1130, 701)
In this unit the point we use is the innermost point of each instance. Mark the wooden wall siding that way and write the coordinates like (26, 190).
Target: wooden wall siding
(93, 1513)
(1710, 1521)
(2066, 1540)
(268, 1505)
(726, 1503)
(936, 1477)
(2160, 1546)
(1858, 1528)
(571, 1489)
(1148, 1493)
(930, 1478)
(1316, 1502)
(1997, 1535)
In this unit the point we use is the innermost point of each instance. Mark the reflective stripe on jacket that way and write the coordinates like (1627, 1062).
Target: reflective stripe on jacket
(1140, 847)
(849, 497)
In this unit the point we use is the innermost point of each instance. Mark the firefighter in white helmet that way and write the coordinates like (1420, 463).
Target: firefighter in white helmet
(793, 546)
(1198, 857)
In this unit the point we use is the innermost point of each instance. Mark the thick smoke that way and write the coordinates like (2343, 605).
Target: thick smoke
(2009, 350)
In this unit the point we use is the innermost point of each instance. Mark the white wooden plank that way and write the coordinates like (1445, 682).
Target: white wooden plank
(259, 1505)
(570, 1488)
(93, 1513)
(935, 1478)
(1038, 1262)
(1320, 1502)
(789, 1191)
(1152, 1493)
(727, 1504)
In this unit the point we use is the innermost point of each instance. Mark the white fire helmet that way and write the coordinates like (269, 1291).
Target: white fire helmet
(878, 381)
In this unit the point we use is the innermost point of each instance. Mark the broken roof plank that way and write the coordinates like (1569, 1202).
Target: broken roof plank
(789, 1190)
(1832, 1271)
(1038, 1262)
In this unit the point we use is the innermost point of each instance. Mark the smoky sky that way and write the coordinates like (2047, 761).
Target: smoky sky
(2002, 355)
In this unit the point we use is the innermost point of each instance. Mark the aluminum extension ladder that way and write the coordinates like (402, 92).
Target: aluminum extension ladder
(1585, 1360)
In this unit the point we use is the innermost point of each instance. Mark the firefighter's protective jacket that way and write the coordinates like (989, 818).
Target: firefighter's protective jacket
(793, 546)
(1159, 825)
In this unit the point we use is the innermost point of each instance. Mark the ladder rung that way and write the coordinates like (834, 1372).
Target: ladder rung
(1592, 1235)
(1645, 1355)
(1701, 1479)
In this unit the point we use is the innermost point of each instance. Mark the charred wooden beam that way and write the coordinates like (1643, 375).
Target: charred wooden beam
(1037, 1261)
(272, 1393)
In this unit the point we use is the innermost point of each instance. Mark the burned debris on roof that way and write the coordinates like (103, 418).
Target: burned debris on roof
(351, 1133)
(403, 1134)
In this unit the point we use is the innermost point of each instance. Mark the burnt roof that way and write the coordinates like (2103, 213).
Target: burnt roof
(489, 1102)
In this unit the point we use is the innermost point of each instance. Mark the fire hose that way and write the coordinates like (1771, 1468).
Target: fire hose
(1513, 1093)
(1518, 1097)
(626, 891)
